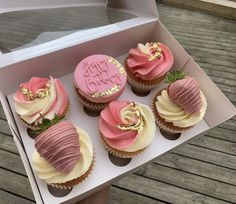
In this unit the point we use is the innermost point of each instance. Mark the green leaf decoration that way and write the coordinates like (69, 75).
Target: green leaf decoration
(46, 123)
(174, 76)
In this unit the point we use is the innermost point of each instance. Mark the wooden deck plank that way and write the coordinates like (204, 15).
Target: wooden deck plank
(219, 80)
(225, 8)
(208, 59)
(15, 183)
(196, 167)
(177, 17)
(7, 143)
(208, 39)
(206, 155)
(163, 191)
(215, 144)
(11, 162)
(9, 198)
(220, 30)
(230, 124)
(222, 133)
(204, 41)
(205, 186)
(4, 127)
(2, 115)
(216, 67)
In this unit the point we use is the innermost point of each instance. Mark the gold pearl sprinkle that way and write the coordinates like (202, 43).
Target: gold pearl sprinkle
(42, 93)
(157, 53)
(138, 125)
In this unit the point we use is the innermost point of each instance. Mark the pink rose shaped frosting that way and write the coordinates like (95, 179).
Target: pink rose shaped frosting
(150, 61)
(186, 94)
(119, 124)
(59, 146)
(40, 96)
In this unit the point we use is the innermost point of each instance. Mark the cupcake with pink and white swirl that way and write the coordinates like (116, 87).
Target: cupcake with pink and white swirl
(181, 105)
(147, 65)
(126, 128)
(40, 100)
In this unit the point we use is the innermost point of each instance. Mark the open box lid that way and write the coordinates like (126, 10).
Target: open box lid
(22, 38)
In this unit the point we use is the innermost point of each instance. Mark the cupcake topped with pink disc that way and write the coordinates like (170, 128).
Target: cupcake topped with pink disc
(147, 66)
(41, 98)
(99, 79)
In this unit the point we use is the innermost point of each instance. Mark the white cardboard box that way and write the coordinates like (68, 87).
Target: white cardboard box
(59, 58)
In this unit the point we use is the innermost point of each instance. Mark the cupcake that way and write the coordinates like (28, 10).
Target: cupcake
(99, 79)
(63, 155)
(126, 128)
(147, 65)
(40, 102)
(180, 106)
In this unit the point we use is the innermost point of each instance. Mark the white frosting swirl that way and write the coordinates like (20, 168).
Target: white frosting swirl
(48, 106)
(171, 112)
(48, 173)
(145, 134)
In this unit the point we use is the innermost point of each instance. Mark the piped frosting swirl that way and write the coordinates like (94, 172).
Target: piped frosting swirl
(59, 145)
(150, 61)
(127, 126)
(186, 94)
(41, 96)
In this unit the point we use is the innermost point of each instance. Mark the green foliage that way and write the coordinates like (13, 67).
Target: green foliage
(174, 76)
(46, 123)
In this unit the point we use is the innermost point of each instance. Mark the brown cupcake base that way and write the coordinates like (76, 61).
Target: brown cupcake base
(170, 136)
(170, 131)
(91, 108)
(139, 86)
(119, 153)
(71, 183)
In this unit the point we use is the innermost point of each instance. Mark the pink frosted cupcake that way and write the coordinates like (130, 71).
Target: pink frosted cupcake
(63, 155)
(98, 80)
(41, 100)
(180, 106)
(147, 65)
(126, 128)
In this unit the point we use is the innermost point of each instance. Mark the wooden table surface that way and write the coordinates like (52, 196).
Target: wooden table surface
(202, 171)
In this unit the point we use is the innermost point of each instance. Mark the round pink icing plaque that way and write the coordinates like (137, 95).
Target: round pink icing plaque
(100, 78)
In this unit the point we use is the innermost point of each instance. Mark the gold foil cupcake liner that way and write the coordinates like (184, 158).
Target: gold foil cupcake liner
(70, 184)
(119, 153)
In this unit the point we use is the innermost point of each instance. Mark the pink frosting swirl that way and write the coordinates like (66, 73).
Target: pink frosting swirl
(143, 63)
(110, 120)
(59, 145)
(47, 96)
(186, 94)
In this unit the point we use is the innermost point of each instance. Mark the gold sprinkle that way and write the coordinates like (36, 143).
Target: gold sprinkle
(118, 65)
(138, 125)
(42, 93)
(157, 53)
(108, 92)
